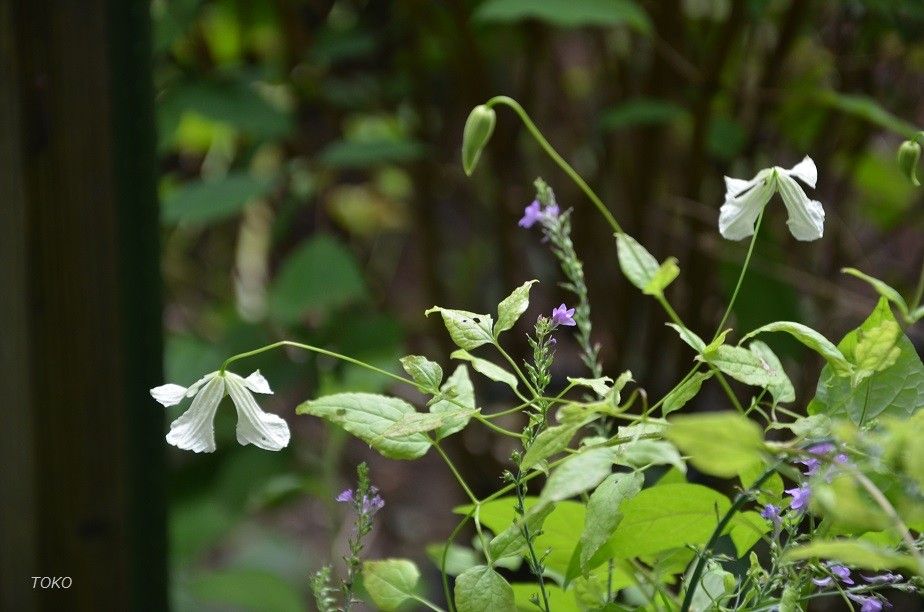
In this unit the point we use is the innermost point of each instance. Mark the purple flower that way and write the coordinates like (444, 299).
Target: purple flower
(800, 496)
(887, 578)
(840, 458)
(563, 316)
(840, 572)
(823, 582)
(771, 513)
(811, 465)
(372, 504)
(346, 496)
(824, 448)
(868, 604)
(551, 211)
(531, 214)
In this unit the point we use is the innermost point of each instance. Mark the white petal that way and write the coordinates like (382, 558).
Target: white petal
(806, 217)
(738, 215)
(734, 187)
(257, 383)
(194, 388)
(169, 395)
(805, 171)
(262, 429)
(195, 429)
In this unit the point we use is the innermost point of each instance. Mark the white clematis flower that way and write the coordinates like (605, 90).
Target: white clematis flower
(195, 429)
(745, 199)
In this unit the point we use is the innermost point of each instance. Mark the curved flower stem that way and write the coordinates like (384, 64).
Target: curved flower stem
(551, 152)
(744, 269)
(739, 502)
(519, 372)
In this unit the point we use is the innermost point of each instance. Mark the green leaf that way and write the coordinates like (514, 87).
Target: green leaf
(689, 337)
(720, 443)
(876, 349)
(638, 265)
(810, 338)
(559, 600)
(601, 386)
(427, 374)
(642, 453)
(640, 111)
(815, 427)
(781, 387)
(210, 201)
(390, 582)
(683, 393)
(489, 369)
(368, 417)
(663, 276)
(458, 559)
(459, 388)
(419, 422)
(510, 542)
(746, 529)
(603, 510)
(475, 136)
(566, 14)
(714, 588)
(854, 552)
(512, 307)
(898, 390)
(745, 366)
(468, 330)
(481, 589)
(578, 473)
(319, 276)
(882, 289)
(549, 442)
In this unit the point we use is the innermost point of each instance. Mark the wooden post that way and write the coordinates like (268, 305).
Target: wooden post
(82, 486)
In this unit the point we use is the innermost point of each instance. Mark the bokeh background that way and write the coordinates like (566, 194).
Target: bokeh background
(310, 188)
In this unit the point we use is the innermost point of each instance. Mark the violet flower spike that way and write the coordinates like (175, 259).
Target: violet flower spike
(800, 497)
(867, 604)
(771, 513)
(563, 316)
(531, 214)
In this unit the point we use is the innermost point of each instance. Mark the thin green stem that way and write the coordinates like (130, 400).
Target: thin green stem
(455, 472)
(496, 428)
(519, 372)
(443, 575)
(551, 152)
(919, 292)
(744, 269)
(727, 388)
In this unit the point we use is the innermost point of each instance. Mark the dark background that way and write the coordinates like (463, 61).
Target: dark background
(305, 155)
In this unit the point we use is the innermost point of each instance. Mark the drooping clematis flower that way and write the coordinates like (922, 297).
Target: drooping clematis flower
(195, 429)
(745, 199)
(563, 316)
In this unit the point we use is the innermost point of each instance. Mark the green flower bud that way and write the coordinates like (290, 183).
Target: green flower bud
(909, 154)
(475, 136)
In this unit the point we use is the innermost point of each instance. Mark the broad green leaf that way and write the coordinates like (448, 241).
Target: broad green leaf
(578, 473)
(746, 529)
(512, 307)
(583, 412)
(744, 366)
(876, 349)
(457, 393)
(815, 427)
(566, 14)
(854, 552)
(772, 488)
(390, 582)
(683, 393)
(719, 443)
(368, 417)
(458, 559)
(510, 542)
(897, 390)
(642, 453)
(319, 276)
(601, 386)
(210, 201)
(559, 600)
(475, 136)
(427, 374)
(640, 111)
(419, 422)
(663, 276)
(714, 588)
(489, 369)
(810, 338)
(638, 265)
(603, 513)
(481, 589)
(468, 330)
(549, 442)
(781, 387)
(882, 289)
(688, 336)
(847, 506)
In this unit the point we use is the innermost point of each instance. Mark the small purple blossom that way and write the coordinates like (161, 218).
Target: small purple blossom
(771, 513)
(842, 573)
(531, 214)
(800, 496)
(823, 582)
(824, 448)
(868, 604)
(551, 211)
(346, 496)
(372, 504)
(563, 316)
(886, 578)
(812, 465)
(841, 458)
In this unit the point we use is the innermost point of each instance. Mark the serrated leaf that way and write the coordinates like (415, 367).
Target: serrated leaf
(459, 387)
(683, 393)
(603, 510)
(512, 307)
(642, 453)
(781, 387)
(578, 473)
(420, 422)
(481, 589)
(637, 264)
(721, 443)
(883, 289)
(487, 368)
(368, 417)
(468, 330)
(510, 542)
(601, 386)
(689, 337)
(663, 276)
(390, 582)
(744, 366)
(427, 374)
(810, 338)
(549, 442)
